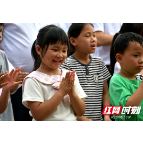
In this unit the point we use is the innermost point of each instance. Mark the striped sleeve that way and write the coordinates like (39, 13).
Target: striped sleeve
(66, 65)
(106, 73)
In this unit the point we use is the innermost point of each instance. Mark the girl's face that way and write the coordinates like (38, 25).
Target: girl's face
(55, 55)
(86, 42)
(132, 59)
(0, 33)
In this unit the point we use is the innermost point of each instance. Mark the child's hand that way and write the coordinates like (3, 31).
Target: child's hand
(22, 75)
(3, 79)
(11, 78)
(83, 118)
(72, 76)
(66, 84)
(107, 118)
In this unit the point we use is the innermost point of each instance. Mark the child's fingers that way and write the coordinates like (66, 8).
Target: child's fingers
(3, 84)
(20, 68)
(1, 74)
(20, 79)
(66, 75)
(19, 82)
(3, 78)
(16, 74)
(10, 74)
(23, 75)
(72, 76)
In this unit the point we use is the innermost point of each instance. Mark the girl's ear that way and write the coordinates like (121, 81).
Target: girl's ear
(119, 58)
(38, 50)
(73, 41)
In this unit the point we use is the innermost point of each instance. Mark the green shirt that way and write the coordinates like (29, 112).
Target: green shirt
(120, 90)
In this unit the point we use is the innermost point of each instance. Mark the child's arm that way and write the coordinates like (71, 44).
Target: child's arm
(20, 78)
(3, 79)
(83, 118)
(106, 100)
(6, 89)
(4, 100)
(41, 110)
(136, 98)
(77, 104)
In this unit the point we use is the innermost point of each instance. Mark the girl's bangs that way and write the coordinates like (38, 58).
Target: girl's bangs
(54, 35)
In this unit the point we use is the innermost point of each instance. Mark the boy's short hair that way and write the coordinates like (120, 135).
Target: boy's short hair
(123, 40)
(2, 24)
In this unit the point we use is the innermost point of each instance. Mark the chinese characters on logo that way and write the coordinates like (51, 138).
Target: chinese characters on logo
(117, 110)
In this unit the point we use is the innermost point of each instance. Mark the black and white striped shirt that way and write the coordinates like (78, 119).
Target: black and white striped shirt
(91, 78)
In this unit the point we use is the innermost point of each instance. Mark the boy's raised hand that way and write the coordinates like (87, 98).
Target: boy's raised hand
(3, 79)
(11, 78)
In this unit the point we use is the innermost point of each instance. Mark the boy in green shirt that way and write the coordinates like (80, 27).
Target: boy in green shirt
(125, 88)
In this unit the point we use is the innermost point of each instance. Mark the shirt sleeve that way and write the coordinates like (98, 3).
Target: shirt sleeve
(78, 89)
(10, 66)
(32, 91)
(98, 27)
(118, 94)
(106, 74)
(66, 66)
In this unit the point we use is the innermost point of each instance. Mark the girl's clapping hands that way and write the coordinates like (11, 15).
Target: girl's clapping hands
(3, 79)
(67, 83)
(22, 75)
(11, 79)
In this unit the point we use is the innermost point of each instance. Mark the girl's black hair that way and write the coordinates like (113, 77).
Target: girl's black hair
(50, 34)
(126, 27)
(74, 31)
(122, 42)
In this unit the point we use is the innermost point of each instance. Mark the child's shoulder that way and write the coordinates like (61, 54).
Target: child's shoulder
(70, 59)
(116, 78)
(96, 58)
(2, 53)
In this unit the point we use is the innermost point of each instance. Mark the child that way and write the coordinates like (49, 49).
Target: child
(125, 88)
(91, 71)
(126, 27)
(45, 90)
(8, 84)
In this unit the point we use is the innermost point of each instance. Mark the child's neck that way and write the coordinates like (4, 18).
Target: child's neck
(83, 58)
(49, 71)
(127, 75)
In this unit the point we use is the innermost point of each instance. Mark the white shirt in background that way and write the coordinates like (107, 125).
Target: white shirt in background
(64, 26)
(117, 67)
(17, 42)
(41, 25)
(108, 28)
